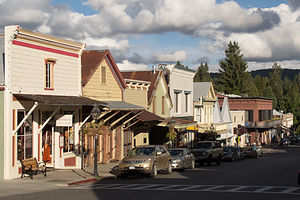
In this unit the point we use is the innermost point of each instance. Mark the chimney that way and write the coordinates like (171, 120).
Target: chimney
(153, 69)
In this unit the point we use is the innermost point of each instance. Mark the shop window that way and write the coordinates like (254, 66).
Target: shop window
(24, 136)
(68, 139)
(49, 65)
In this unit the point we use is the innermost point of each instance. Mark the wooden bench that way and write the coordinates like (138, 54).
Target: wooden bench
(31, 166)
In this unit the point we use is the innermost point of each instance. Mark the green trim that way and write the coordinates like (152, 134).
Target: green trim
(177, 91)
(1, 135)
(187, 92)
(184, 69)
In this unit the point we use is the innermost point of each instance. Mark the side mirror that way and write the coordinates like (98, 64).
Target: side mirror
(158, 153)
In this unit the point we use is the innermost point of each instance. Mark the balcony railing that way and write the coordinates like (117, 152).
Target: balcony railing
(264, 124)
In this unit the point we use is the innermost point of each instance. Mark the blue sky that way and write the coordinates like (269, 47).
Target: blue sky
(142, 33)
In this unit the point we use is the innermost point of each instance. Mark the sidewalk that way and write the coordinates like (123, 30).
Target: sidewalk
(56, 179)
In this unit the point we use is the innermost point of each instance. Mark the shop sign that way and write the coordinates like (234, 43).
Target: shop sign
(65, 120)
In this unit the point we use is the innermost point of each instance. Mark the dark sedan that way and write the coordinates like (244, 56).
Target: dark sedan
(250, 152)
(230, 154)
(182, 158)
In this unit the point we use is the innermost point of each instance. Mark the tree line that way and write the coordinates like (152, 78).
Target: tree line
(234, 78)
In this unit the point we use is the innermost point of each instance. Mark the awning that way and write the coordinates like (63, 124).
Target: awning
(179, 123)
(121, 105)
(59, 100)
(147, 116)
(223, 136)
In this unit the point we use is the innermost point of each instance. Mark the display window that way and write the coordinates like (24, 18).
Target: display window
(24, 136)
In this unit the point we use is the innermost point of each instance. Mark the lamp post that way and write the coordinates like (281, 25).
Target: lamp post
(95, 114)
(171, 129)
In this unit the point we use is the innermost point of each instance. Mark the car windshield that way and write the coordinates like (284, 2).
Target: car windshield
(142, 151)
(227, 149)
(176, 152)
(203, 145)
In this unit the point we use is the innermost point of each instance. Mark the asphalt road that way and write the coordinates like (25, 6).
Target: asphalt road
(272, 176)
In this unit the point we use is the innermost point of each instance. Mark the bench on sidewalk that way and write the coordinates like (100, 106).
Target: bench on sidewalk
(31, 166)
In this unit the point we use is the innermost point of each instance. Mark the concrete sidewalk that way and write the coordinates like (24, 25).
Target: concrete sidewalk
(55, 180)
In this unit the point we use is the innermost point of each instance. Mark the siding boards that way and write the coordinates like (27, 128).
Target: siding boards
(27, 73)
(137, 97)
(110, 91)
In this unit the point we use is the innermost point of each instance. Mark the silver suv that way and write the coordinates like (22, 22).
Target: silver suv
(146, 159)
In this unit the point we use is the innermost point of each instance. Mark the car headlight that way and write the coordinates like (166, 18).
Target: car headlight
(176, 161)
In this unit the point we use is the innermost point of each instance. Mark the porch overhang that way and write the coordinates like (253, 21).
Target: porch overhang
(179, 123)
(59, 100)
(120, 106)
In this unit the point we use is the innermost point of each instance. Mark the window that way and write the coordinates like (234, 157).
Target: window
(145, 140)
(68, 133)
(24, 136)
(234, 119)
(162, 105)
(186, 103)
(103, 74)
(176, 102)
(154, 105)
(264, 115)
(49, 64)
(249, 115)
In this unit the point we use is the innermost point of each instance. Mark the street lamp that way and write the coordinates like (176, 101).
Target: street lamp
(171, 129)
(96, 112)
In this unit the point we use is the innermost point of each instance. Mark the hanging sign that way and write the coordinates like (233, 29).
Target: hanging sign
(64, 120)
(61, 141)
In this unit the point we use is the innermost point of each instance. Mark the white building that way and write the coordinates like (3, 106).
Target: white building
(42, 99)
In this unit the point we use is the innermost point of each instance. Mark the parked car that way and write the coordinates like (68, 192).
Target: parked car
(182, 158)
(230, 154)
(293, 139)
(208, 151)
(147, 159)
(250, 152)
(259, 151)
(240, 153)
(284, 142)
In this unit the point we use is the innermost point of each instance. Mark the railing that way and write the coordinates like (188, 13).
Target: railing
(264, 124)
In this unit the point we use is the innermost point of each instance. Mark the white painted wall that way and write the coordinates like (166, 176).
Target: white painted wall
(181, 80)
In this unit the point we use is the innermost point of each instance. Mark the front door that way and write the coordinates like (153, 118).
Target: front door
(47, 145)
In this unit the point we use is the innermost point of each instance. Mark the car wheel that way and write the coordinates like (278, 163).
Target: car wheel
(218, 161)
(153, 172)
(209, 161)
(169, 168)
(193, 164)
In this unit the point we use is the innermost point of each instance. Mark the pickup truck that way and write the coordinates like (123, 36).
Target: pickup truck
(207, 152)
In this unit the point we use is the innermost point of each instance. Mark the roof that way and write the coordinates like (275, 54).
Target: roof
(147, 116)
(245, 98)
(184, 68)
(59, 100)
(121, 105)
(201, 89)
(148, 76)
(179, 123)
(90, 61)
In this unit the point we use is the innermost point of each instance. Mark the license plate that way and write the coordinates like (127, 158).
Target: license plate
(132, 167)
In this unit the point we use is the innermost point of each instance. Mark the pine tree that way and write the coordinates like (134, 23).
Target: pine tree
(268, 92)
(202, 74)
(276, 84)
(261, 83)
(233, 75)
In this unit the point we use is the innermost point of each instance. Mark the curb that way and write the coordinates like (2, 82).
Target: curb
(82, 181)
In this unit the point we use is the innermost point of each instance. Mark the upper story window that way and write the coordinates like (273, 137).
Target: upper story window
(187, 94)
(176, 93)
(162, 105)
(49, 74)
(249, 115)
(103, 74)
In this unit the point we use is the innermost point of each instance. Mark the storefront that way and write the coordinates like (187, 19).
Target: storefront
(46, 128)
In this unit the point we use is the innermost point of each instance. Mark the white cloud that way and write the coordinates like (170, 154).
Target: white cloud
(126, 65)
(169, 57)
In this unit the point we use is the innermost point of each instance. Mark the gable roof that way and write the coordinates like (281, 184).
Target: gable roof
(225, 113)
(90, 61)
(149, 76)
(201, 90)
(216, 113)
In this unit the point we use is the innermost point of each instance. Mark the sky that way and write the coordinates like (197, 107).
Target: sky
(143, 33)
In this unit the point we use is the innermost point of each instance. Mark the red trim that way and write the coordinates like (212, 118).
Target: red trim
(13, 151)
(39, 146)
(49, 89)
(33, 46)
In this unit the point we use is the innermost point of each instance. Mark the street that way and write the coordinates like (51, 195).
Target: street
(272, 176)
